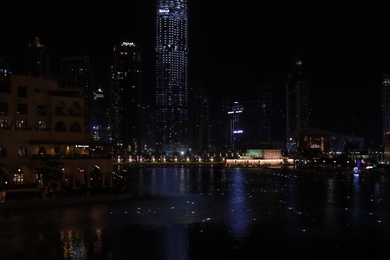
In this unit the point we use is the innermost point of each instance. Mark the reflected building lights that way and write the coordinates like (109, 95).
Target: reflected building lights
(239, 219)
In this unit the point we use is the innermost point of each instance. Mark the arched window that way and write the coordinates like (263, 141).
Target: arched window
(75, 110)
(60, 109)
(22, 152)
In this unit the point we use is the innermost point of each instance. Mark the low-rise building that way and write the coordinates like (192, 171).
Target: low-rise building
(41, 121)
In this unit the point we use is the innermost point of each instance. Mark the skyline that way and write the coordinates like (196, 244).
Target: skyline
(229, 52)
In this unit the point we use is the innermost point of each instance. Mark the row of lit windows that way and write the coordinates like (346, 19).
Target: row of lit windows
(58, 150)
(41, 125)
(22, 124)
(41, 110)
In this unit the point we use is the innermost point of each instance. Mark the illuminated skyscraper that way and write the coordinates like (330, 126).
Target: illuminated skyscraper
(126, 77)
(172, 103)
(236, 126)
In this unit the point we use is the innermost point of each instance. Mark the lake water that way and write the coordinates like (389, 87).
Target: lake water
(213, 213)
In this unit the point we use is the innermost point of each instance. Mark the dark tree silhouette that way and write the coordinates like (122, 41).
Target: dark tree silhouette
(50, 172)
(3, 178)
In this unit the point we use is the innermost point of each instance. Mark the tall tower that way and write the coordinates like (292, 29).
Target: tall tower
(172, 96)
(100, 115)
(297, 100)
(236, 126)
(37, 59)
(386, 115)
(201, 128)
(126, 77)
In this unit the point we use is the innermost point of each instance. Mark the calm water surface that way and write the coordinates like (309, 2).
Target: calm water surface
(213, 213)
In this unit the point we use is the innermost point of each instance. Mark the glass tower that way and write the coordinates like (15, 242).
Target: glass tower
(172, 104)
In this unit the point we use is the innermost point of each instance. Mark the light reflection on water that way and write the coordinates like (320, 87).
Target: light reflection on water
(238, 212)
(212, 213)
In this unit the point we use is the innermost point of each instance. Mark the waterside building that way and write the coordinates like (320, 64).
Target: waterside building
(41, 121)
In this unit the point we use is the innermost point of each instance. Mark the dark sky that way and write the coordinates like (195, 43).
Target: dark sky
(233, 49)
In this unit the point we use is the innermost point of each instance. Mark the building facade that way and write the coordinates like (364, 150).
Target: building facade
(172, 134)
(126, 113)
(249, 123)
(40, 121)
(327, 142)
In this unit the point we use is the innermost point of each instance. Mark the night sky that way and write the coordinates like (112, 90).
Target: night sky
(232, 47)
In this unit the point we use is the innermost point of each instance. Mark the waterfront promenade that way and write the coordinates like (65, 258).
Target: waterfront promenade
(115, 195)
(34, 197)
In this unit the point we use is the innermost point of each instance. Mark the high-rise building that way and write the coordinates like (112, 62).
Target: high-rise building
(297, 100)
(249, 122)
(100, 114)
(172, 134)
(263, 111)
(126, 116)
(76, 73)
(201, 128)
(386, 116)
(37, 61)
(236, 127)
(220, 139)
